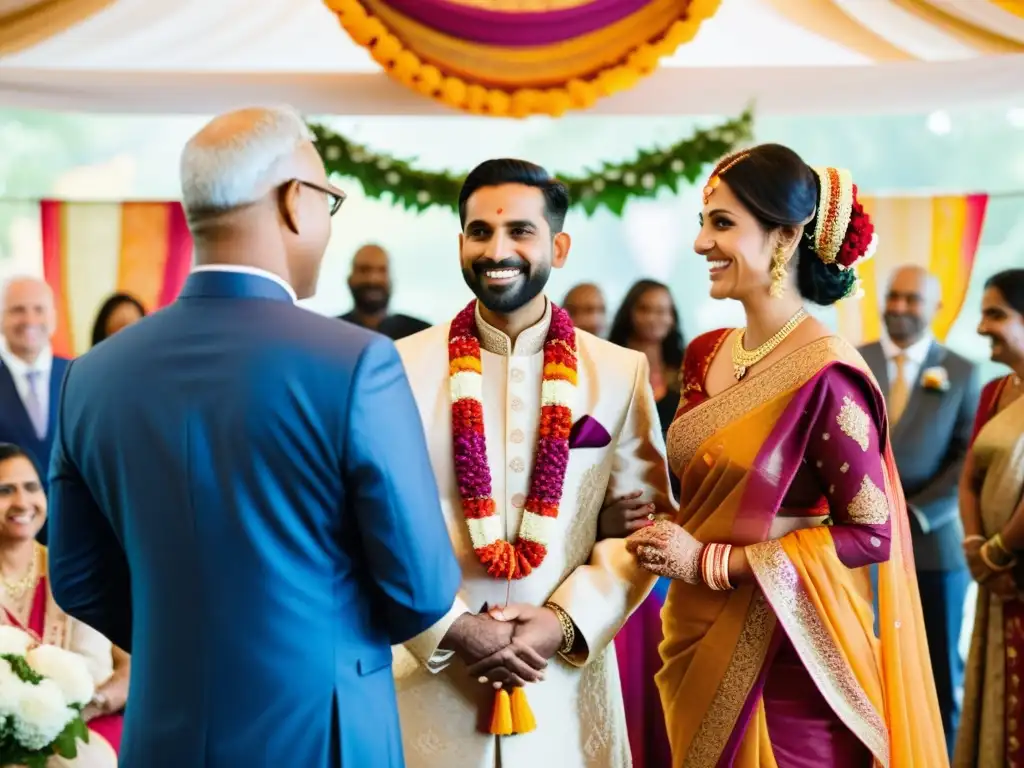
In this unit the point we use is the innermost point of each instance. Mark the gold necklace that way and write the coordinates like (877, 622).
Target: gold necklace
(16, 589)
(743, 359)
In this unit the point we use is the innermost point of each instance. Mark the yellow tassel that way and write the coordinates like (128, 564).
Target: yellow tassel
(522, 716)
(501, 719)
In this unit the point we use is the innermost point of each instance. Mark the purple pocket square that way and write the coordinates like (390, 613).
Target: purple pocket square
(588, 432)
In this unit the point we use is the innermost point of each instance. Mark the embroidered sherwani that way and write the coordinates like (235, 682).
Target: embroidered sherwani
(579, 705)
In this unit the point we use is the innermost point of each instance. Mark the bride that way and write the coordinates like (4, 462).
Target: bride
(793, 632)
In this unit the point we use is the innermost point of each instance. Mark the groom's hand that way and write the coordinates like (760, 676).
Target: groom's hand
(477, 636)
(536, 638)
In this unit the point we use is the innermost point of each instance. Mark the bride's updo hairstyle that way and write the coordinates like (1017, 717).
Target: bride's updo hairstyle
(781, 190)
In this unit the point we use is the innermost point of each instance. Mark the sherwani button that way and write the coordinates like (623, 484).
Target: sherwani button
(517, 404)
(518, 501)
(516, 375)
(517, 465)
(517, 436)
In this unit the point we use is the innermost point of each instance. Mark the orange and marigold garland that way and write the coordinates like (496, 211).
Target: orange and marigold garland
(501, 558)
(461, 92)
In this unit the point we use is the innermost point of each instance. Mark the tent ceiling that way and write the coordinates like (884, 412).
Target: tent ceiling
(198, 56)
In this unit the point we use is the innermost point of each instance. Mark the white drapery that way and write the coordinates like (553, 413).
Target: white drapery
(202, 56)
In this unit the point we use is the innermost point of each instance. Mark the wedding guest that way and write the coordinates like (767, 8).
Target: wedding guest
(931, 395)
(27, 603)
(992, 507)
(585, 304)
(118, 312)
(30, 374)
(648, 321)
(370, 285)
(241, 492)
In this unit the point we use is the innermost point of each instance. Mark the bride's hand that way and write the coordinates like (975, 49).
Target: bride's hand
(667, 550)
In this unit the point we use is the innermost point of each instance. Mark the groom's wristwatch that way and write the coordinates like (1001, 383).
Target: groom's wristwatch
(568, 628)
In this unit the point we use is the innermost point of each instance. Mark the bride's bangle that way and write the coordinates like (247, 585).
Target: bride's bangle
(973, 538)
(714, 566)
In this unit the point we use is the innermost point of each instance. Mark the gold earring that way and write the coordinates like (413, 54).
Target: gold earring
(778, 286)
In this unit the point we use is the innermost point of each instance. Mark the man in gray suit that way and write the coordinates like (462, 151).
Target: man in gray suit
(931, 396)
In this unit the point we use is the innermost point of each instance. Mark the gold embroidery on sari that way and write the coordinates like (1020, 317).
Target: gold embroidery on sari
(816, 648)
(744, 666)
(689, 431)
(845, 467)
(854, 423)
(869, 506)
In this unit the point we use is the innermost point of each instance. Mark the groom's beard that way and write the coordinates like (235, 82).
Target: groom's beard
(506, 298)
(370, 299)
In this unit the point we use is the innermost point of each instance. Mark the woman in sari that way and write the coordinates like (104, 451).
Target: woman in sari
(648, 321)
(793, 629)
(26, 603)
(992, 507)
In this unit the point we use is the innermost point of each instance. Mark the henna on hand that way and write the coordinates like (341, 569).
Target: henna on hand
(667, 549)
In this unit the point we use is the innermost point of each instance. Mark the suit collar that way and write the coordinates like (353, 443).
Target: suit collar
(19, 367)
(228, 282)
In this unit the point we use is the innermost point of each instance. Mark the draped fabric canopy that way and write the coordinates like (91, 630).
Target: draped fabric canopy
(198, 56)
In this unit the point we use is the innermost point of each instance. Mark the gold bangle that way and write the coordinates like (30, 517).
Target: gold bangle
(998, 543)
(974, 537)
(991, 564)
(568, 628)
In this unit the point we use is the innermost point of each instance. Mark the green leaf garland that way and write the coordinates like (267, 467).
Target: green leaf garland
(613, 186)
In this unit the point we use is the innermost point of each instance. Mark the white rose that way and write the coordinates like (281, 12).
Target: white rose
(40, 715)
(14, 640)
(68, 670)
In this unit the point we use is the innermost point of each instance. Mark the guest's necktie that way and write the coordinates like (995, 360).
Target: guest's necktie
(34, 404)
(899, 393)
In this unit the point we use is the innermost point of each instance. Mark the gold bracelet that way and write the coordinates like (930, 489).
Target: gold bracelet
(975, 537)
(998, 543)
(991, 564)
(568, 628)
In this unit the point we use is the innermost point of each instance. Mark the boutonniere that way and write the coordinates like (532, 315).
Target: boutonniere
(935, 379)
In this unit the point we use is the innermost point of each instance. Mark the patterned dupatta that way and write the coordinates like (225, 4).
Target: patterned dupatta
(737, 454)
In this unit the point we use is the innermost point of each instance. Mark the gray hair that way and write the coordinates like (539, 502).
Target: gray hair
(8, 283)
(223, 169)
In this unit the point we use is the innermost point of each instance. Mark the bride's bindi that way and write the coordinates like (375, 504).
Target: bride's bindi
(500, 210)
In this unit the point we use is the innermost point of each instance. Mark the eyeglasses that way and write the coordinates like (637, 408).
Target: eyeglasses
(335, 197)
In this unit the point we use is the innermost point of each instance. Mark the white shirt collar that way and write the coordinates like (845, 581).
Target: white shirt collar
(915, 353)
(17, 366)
(238, 268)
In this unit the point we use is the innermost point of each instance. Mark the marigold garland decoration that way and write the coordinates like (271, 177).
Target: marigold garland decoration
(502, 559)
(612, 186)
(502, 60)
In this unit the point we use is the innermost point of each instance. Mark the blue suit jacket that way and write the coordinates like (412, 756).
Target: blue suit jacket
(241, 496)
(16, 426)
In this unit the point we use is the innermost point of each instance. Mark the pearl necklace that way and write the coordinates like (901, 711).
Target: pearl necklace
(743, 359)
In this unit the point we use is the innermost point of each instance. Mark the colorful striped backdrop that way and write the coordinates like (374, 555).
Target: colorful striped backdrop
(91, 250)
(939, 233)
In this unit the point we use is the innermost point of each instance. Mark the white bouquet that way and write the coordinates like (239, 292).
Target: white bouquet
(43, 689)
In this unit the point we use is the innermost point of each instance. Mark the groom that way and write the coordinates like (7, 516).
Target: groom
(549, 423)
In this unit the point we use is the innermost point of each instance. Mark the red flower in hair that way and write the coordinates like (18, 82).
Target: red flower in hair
(858, 235)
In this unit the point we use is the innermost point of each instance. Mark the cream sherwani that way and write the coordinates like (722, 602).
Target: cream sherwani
(579, 706)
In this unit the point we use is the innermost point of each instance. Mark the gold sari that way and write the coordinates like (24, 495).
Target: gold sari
(992, 725)
(744, 457)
